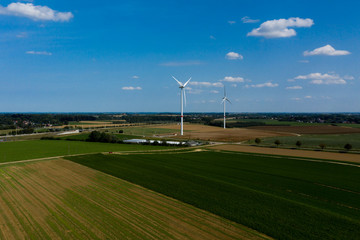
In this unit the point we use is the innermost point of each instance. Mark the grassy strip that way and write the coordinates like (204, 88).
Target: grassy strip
(23, 150)
(281, 197)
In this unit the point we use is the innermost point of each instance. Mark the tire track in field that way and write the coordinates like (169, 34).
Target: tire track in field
(59, 199)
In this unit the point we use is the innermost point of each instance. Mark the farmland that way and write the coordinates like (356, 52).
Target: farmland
(331, 141)
(283, 197)
(23, 150)
(203, 132)
(59, 199)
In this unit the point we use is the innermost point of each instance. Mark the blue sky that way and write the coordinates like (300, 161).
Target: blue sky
(118, 56)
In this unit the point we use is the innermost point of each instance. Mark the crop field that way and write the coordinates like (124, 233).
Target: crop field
(291, 123)
(59, 199)
(23, 150)
(148, 131)
(324, 129)
(282, 197)
(332, 141)
(84, 136)
(210, 133)
(325, 155)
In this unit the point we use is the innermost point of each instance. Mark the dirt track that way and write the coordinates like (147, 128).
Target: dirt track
(290, 152)
(210, 133)
(59, 199)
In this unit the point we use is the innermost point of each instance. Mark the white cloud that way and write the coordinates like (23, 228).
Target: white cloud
(31, 11)
(233, 79)
(261, 85)
(234, 56)
(131, 88)
(304, 61)
(348, 77)
(234, 85)
(246, 19)
(294, 88)
(327, 50)
(22, 35)
(177, 64)
(212, 37)
(231, 22)
(327, 79)
(206, 84)
(214, 91)
(308, 97)
(212, 101)
(39, 53)
(135, 77)
(296, 99)
(280, 28)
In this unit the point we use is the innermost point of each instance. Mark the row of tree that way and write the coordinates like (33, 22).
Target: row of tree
(277, 142)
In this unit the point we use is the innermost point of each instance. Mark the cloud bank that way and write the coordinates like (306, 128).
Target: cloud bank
(324, 79)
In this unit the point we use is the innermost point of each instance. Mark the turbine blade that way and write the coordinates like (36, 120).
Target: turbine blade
(187, 82)
(180, 83)
(228, 100)
(224, 91)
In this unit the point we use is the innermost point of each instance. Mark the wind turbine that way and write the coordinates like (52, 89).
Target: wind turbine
(182, 96)
(224, 99)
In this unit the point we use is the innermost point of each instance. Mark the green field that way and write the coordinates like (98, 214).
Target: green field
(285, 198)
(147, 131)
(84, 136)
(332, 141)
(23, 150)
(289, 123)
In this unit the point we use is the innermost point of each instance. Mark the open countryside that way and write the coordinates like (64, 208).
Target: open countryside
(184, 120)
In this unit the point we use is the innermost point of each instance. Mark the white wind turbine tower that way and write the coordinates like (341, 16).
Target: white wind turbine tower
(224, 99)
(182, 96)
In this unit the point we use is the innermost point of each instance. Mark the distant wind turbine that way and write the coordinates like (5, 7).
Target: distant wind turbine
(182, 96)
(224, 99)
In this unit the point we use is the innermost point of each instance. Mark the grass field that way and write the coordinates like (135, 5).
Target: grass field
(84, 136)
(282, 197)
(60, 199)
(332, 141)
(23, 150)
(277, 122)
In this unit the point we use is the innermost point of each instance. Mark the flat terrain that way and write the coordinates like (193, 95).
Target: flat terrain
(23, 150)
(283, 197)
(60, 199)
(331, 141)
(347, 157)
(320, 129)
(210, 133)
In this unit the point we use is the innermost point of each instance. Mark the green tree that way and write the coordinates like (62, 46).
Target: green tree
(277, 142)
(322, 146)
(257, 140)
(298, 143)
(348, 146)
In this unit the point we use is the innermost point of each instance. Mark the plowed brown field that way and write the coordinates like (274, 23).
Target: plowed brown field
(59, 199)
(210, 133)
